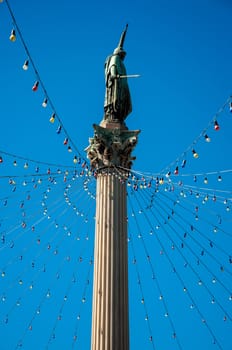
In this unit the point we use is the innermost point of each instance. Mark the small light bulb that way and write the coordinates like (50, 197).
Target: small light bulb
(75, 160)
(205, 180)
(1, 159)
(195, 154)
(216, 126)
(176, 171)
(183, 163)
(207, 138)
(231, 106)
(58, 131)
(45, 103)
(69, 149)
(65, 141)
(12, 36)
(25, 65)
(35, 86)
(25, 166)
(52, 119)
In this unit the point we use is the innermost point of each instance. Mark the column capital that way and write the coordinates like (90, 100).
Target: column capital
(112, 146)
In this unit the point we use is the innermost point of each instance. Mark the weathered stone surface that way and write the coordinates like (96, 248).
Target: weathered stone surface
(111, 147)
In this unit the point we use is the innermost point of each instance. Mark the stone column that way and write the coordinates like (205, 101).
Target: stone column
(110, 155)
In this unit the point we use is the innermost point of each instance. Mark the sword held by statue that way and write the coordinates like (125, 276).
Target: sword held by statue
(128, 76)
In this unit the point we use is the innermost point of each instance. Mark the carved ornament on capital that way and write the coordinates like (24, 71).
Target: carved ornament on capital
(111, 147)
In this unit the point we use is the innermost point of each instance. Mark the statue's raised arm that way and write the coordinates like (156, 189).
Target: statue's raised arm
(117, 104)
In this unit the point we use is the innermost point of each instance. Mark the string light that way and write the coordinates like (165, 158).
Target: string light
(16, 32)
(176, 171)
(183, 163)
(195, 154)
(75, 160)
(65, 141)
(205, 180)
(207, 138)
(12, 36)
(58, 131)
(52, 119)
(35, 86)
(25, 65)
(216, 126)
(45, 103)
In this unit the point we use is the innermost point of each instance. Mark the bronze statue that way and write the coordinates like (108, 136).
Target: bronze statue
(117, 104)
(112, 144)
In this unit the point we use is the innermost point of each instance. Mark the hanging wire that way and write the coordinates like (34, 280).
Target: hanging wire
(164, 250)
(202, 234)
(137, 174)
(39, 80)
(52, 211)
(36, 161)
(153, 273)
(56, 277)
(82, 302)
(70, 286)
(195, 141)
(142, 298)
(184, 258)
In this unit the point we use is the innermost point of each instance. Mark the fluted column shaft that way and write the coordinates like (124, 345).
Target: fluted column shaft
(110, 320)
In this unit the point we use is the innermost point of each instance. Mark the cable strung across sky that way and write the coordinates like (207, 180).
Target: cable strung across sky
(179, 218)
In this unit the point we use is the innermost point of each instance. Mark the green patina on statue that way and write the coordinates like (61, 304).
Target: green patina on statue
(117, 103)
(112, 143)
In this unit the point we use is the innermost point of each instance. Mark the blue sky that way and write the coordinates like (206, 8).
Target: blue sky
(182, 51)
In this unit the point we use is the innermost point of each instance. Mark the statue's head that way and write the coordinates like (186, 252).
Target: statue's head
(120, 52)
